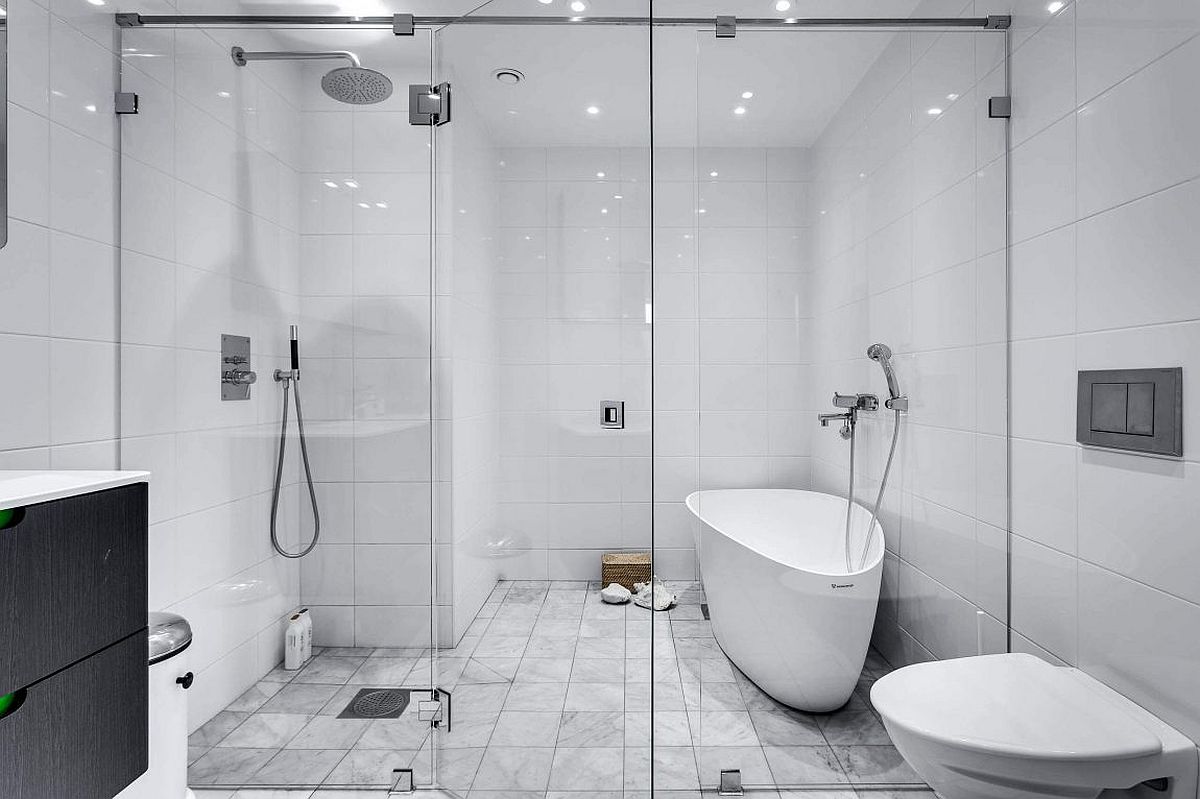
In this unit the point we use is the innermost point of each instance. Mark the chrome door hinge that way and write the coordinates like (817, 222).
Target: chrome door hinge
(436, 709)
(126, 103)
(731, 783)
(1000, 107)
(726, 27)
(428, 105)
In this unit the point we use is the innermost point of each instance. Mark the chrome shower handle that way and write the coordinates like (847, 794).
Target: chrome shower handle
(239, 377)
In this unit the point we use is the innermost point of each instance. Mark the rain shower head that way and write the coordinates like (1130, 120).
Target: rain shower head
(357, 85)
(882, 354)
(354, 84)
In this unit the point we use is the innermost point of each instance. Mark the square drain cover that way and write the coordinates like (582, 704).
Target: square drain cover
(376, 703)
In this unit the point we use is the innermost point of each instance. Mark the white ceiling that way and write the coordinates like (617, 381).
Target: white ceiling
(800, 77)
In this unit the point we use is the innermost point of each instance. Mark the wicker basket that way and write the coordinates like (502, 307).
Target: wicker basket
(625, 568)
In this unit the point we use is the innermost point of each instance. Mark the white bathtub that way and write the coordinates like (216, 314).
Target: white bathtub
(782, 603)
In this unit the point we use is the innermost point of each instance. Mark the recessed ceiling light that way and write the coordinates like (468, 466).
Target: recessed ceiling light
(352, 184)
(934, 112)
(364, 205)
(331, 184)
(96, 2)
(783, 5)
(604, 210)
(593, 110)
(713, 174)
(578, 6)
(741, 109)
(600, 174)
(618, 196)
(545, 2)
(747, 95)
(1055, 7)
(381, 205)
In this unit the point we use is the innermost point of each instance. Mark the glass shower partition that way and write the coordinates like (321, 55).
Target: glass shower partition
(819, 189)
(252, 201)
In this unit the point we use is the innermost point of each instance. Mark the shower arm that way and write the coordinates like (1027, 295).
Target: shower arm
(241, 57)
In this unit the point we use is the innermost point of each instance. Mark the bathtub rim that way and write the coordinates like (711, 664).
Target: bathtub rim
(871, 564)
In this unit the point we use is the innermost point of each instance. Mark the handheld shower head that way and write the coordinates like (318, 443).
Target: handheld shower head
(882, 354)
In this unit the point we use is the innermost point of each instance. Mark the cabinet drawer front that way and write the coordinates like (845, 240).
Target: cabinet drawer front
(82, 734)
(72, 581)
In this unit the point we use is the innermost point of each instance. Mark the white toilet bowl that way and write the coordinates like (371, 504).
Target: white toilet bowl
(1016, 727)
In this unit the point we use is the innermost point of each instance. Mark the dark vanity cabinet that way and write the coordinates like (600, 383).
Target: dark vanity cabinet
(73, 646)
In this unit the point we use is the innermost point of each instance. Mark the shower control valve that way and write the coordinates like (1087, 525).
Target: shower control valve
(859, 402)
(239, 377)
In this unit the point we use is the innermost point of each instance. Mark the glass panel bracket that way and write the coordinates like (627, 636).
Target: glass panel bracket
(731, 783)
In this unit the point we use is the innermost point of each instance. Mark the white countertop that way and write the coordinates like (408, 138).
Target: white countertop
(19, 488)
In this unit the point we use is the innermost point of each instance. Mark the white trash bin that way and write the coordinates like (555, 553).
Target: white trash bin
(166, 778)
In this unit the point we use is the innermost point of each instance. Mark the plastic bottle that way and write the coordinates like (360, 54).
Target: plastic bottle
(306, 620)
(293, 644)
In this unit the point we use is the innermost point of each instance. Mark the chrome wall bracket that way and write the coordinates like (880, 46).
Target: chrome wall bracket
(403, 25)
(726, 27)
(126, 103)
(1000, 107)
(998, 22)
(428, 105)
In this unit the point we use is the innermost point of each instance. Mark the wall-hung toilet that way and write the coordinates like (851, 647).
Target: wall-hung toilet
(1015, 727)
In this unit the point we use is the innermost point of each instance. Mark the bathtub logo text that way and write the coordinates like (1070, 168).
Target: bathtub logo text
(841, 585)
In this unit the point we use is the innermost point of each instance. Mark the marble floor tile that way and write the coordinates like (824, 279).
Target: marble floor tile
(329, 732)
(266, 731)
(595, 696)
(854, 727)
(523, 768)
(327, 670)
(228, 766)
(216, 728)
(257, 696)
(799, 765)
(296, 698)
(750, 760)
(369, 767)
(587, 770)
(383, 672)
(873, 764)
(543, 696)
(525, 728)
(406, 732)
(295, 767)
(585, 728)
(779, 729)
(723, 728)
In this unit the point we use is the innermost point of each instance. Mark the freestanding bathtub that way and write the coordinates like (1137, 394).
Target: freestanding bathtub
(783, 606)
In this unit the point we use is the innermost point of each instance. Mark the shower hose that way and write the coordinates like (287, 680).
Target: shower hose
(887, 469)
(312, 493)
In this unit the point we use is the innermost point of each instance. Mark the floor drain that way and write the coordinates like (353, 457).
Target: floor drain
(376, 703)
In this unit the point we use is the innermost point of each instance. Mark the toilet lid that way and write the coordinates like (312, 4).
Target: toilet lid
(1017, 705)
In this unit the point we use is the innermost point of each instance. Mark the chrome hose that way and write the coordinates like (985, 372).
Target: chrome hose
(289, 381)
(878, 499)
